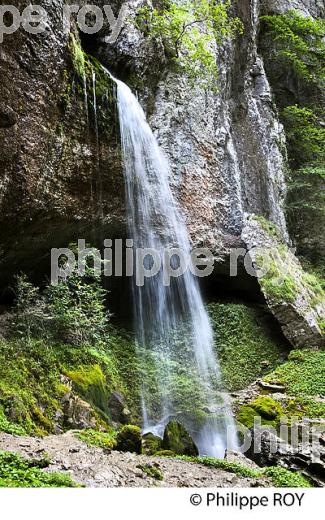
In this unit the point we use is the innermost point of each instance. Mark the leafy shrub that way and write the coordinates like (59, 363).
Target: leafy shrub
(306, 137)
(298, 41)
(283, 478)
(188, 30)
(98, 439)
(18, 472)
(73, 311)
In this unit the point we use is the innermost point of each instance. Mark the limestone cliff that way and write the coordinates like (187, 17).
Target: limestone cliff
(58, 182)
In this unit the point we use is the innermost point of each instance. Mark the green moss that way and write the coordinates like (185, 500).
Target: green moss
(165, 453)
(244, 339)
(283, 478)
(18, 472)
(265, 407)
(129, 439)
(177, 440)
(277, 284)
(78, 56)
(97, 438)
(269, 227)
(152, 471)
(151, 444)
(303, 374)
(30, 387)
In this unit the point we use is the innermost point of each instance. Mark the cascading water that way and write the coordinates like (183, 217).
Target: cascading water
(172, 325)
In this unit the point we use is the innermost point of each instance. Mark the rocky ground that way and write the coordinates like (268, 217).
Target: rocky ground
(96, 467)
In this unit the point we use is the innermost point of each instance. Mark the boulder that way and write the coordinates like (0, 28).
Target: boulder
(129, 439)
(151, 444)
(306, 456)
(178, 440)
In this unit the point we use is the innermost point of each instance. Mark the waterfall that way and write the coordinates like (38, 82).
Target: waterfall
(172, 324)
(98, 170)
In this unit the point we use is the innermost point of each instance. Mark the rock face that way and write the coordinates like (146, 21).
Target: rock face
(61, 179)
(289, 292)
(307, 457)
(177, 440)
(50, 187)
(226, 150)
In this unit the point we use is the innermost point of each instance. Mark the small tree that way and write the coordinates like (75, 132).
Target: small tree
(73, 311)
(30, 315)
(77, 308)
(189, 30)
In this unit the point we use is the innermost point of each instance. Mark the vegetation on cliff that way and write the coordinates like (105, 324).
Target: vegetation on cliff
(189, 31)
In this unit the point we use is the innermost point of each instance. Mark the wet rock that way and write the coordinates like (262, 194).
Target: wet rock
(306, 455)
(151, 444)
(129, 439)
(75, 413)
(297, 309)
(271, 388)
(118, 409)
(178, 440)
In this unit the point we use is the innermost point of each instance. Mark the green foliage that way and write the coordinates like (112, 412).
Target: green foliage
(232, 467)
(129, 439)
(73, 311)
(298, 41)
(30, 318)
(283, 478)
(303, 374)
(269, 227)
(265, 407)
(165, 453)
(280, 477)
(306, 137)
(97, 438)
(151, 444)
(276, 285)
(296, 46)
(18, 472)
(30, 388)
(189, 30)
(177, 440)
(244, 342)
(303, 380)
(306, 146)
(9, 427)
(78, 57)
(152, 471)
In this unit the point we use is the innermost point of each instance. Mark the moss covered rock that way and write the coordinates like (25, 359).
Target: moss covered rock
(178, 440)
(246, 343)
(265, 407)
(129, 439)
(151, 444)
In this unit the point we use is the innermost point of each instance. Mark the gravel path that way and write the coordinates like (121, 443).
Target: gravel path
(95, 467)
